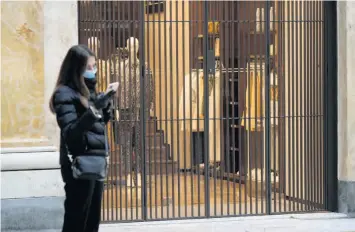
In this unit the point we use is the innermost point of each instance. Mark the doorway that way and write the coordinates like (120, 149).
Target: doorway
(228, 99)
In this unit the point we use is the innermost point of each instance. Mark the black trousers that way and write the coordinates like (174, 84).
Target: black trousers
(82, 204)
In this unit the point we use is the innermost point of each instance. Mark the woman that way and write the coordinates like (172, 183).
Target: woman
(81, 115)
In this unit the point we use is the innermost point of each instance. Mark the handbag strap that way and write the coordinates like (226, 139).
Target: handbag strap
(106, 142)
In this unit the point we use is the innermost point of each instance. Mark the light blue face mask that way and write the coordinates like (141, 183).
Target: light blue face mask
(90, 74)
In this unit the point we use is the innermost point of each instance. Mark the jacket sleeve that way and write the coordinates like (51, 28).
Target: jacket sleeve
(73, 129)
(108, 113)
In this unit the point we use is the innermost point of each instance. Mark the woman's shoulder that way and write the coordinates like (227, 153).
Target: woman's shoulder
(65, 94)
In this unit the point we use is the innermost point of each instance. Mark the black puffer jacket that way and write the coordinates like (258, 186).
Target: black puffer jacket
(81, 131)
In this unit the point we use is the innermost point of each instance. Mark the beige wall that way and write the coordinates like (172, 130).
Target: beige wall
(22, 72)
(33, 43)
(168, 76)
(346, 90)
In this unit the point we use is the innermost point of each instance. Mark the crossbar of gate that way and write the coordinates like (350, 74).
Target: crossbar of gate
(220, 110)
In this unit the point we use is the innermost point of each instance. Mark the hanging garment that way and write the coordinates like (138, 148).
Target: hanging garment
(191, 101)
(253, 113)
(192, 104)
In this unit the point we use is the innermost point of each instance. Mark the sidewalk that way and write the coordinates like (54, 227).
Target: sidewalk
(316, 222)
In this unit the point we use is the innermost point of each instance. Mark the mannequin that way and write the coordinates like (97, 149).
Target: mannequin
(129, 110)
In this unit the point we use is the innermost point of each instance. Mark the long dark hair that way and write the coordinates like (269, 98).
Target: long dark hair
(71, 72)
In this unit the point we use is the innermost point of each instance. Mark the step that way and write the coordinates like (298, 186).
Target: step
(151, 153)
(151, 126)
(157, 153)
(153, 167)
(154, 140)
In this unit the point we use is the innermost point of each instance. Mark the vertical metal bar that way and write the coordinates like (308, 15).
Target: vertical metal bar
(278, 93)
(312, 114)
(206, 109)
(124, 86)
(107, 81)
(318, 113)
(307, 113)
(249, 106)
(302, 103)
(327, 72)
(198, 23)
(253, 57)
(215, 181)
(191, 56)
(149, 172)
(312, 110)
(226, 105)
(184, 109)
(143, 128)
(102, 82)
(319, 103)
(312, 105)
(132, 119)
(293, 117)
(171, 107)
(138, 120)
(160, 114)
(330, 68)
(288, 102)
(177, 100)
(317, 179)
(154, 132)
(166, 104)
(119, 41)
(239, 76)
(247, 119)
(235, 121)
(214, 171)
(267, 107)
(296, 103)
(273, 69)
(221, 136)
(284, 102)
(115, 160)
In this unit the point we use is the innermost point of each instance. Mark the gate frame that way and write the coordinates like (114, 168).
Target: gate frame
(330, 104)
(330, 101)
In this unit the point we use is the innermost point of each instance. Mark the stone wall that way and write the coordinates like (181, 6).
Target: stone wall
(35, 38)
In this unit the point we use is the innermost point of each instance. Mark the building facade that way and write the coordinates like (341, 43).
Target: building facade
(235, 151)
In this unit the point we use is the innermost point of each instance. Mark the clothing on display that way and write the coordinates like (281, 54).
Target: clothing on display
(194, 84)
(255, 111)
(252, 115)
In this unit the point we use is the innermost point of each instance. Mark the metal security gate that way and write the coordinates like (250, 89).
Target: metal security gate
(221, 106)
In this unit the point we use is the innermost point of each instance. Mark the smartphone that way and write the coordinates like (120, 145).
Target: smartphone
(112, 87)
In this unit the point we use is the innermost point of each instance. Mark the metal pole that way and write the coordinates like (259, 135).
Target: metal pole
(267, 107)
(206, 118)
(142, 110)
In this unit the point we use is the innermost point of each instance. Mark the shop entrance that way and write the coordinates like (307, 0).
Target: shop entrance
(220, 110)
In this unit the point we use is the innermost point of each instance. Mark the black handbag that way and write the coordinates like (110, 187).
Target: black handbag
(90, 167)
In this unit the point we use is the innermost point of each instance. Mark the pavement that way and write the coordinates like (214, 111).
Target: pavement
(315, 222)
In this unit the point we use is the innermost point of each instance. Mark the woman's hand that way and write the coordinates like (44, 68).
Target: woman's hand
(102, 101)
(108, 112)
